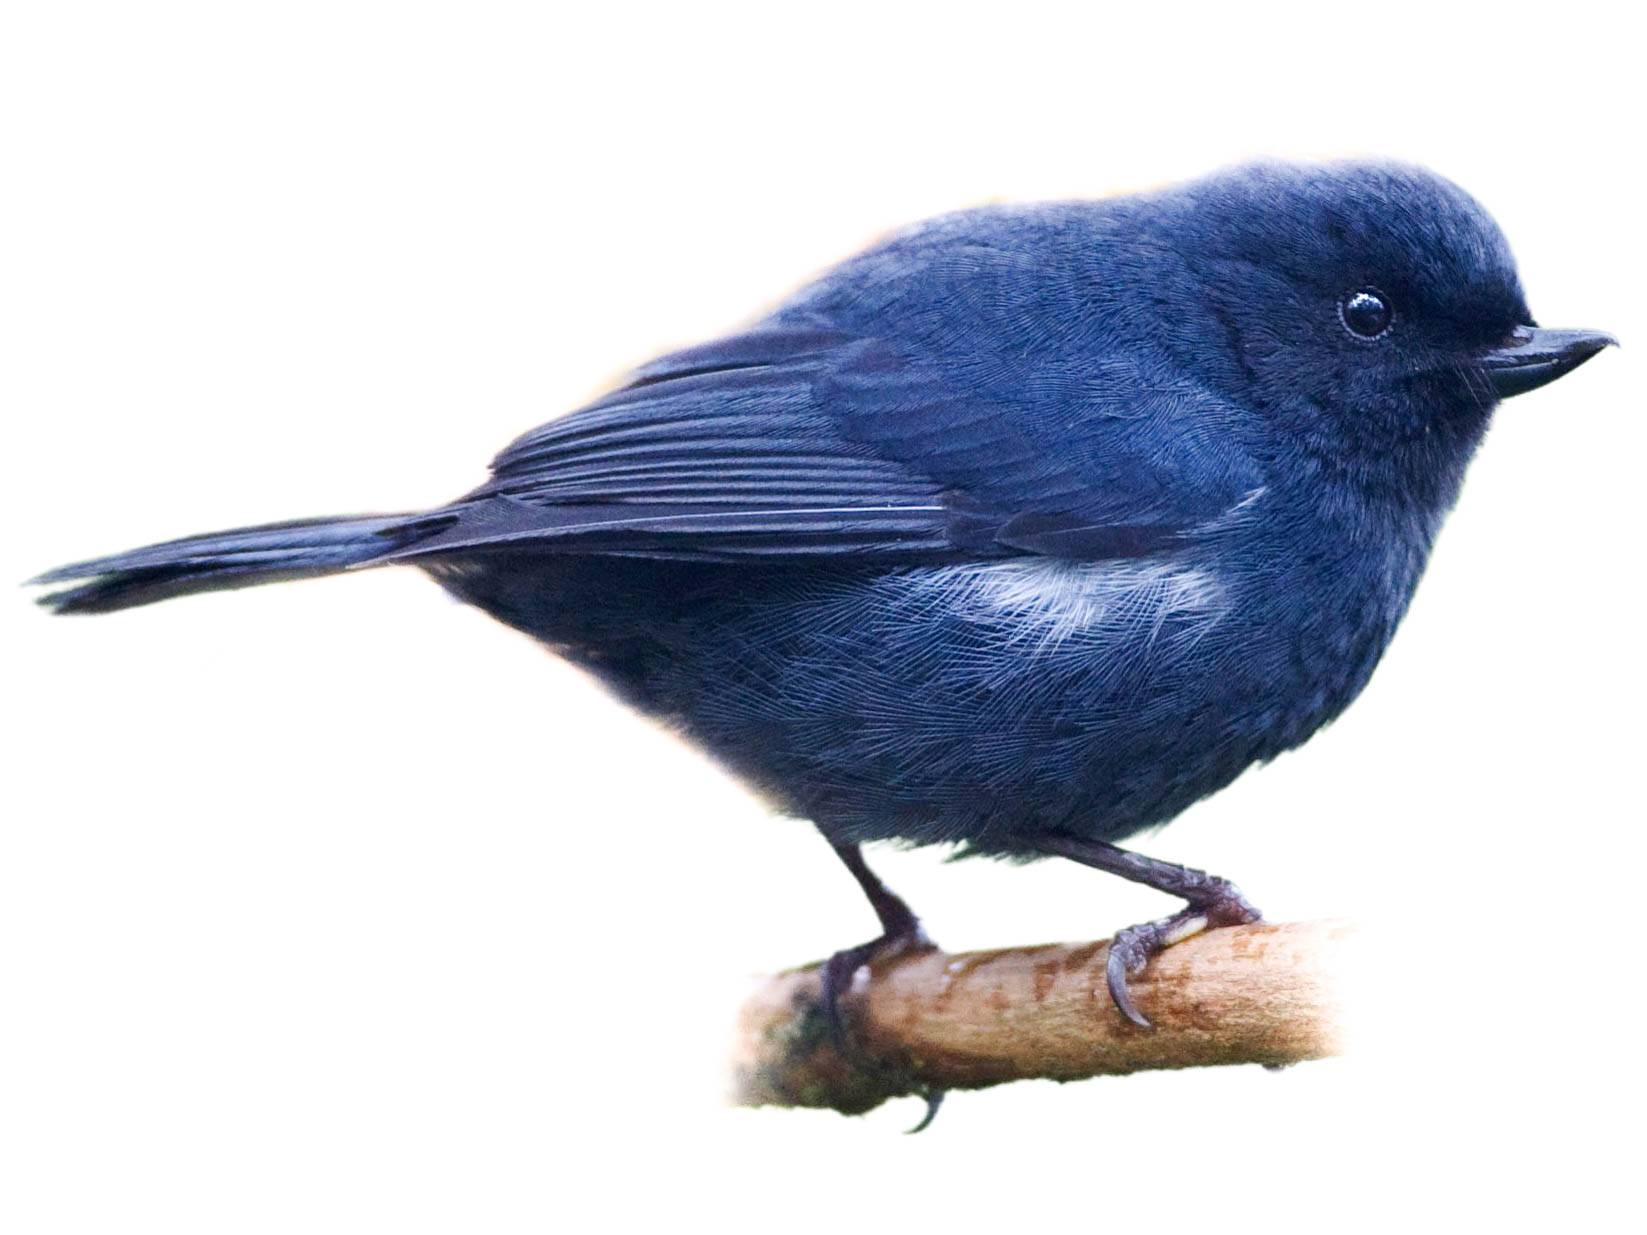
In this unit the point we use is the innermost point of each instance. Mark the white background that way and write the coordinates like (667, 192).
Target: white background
(337, 907)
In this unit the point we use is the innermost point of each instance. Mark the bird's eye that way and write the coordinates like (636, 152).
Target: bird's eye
(1366, 314)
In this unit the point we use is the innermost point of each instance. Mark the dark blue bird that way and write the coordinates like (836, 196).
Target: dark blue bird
(1023, 530)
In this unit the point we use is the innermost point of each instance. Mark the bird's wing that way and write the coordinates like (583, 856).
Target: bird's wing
(790, 442)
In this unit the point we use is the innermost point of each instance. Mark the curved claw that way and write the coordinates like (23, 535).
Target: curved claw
(934, 1098)
(1116, 972)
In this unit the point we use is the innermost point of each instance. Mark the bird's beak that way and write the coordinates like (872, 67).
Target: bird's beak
(1533, 356)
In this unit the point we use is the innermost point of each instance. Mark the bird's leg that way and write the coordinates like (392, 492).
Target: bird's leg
(1212, 902)
(900, 933)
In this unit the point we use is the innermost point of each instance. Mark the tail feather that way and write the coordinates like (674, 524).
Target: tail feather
(231, 559)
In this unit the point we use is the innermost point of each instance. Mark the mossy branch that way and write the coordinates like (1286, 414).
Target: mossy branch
(935, 1020)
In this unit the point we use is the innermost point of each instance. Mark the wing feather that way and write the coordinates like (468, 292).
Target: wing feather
(783, 442)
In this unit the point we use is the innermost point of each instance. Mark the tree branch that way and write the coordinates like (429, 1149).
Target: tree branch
(1245, 994)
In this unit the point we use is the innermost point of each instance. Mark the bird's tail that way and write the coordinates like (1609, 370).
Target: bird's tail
(233, 559)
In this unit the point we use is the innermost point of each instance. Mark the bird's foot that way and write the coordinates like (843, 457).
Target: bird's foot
(841, 971)
(1219, 904)
(839, 976)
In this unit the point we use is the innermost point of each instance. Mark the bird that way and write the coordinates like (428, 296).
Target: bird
(1019, 532)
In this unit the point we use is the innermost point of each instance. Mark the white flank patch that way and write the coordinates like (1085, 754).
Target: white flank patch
(1047, 602)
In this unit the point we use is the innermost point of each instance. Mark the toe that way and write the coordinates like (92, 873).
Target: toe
(1115, 972)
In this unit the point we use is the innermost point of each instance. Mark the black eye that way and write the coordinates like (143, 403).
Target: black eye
(1365, 314)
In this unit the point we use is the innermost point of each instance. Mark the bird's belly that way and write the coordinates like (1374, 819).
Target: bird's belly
(980, 702)
(984, 702)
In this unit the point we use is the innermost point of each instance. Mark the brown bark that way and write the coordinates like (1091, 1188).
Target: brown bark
(1245, 994)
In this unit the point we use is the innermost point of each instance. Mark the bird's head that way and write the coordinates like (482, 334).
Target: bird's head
(1373, 308)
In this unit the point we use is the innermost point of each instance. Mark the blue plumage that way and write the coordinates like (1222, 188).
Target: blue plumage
(1024, 529)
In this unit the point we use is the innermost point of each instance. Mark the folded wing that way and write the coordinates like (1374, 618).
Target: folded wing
(790, 442)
